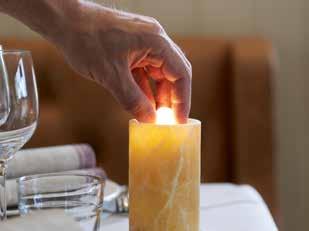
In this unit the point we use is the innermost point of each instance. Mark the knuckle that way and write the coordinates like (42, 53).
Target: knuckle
(163, 42)
(189, 69)
(156, 26)
(132, 107)
(129, 98)
(135, 106)
(189, 65)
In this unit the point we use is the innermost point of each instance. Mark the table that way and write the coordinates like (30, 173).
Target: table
(224, 207)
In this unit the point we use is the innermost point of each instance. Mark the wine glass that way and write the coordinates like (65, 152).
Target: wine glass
(18, 109)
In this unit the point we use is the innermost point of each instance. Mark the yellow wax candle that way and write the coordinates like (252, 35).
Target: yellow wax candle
(164, 176)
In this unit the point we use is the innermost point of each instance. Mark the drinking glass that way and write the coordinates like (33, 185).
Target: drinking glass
(61, 201)
(18, 109)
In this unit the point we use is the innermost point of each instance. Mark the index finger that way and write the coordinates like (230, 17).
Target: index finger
(179, 74)
(181, 99)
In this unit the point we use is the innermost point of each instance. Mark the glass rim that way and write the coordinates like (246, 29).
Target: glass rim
(100, 180)
(14, 51)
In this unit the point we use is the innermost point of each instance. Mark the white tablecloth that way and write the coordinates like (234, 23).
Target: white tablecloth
(224, 207)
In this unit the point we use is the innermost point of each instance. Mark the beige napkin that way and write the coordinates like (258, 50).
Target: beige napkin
(51, 159)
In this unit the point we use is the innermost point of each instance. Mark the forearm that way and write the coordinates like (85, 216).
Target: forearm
(47, 17)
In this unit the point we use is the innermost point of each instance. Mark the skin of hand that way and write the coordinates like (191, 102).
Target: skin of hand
(122, 52)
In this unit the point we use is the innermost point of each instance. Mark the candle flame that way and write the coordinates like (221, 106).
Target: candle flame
(165, 115)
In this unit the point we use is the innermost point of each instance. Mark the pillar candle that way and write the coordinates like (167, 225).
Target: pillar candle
(164, 176)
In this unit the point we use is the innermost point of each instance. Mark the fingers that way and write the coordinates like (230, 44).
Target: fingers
(141, 78)
(180, 53)
(134, 99)
(181, 99)
(163, 94)
(178, 72)
(163, 87)
(175, 70)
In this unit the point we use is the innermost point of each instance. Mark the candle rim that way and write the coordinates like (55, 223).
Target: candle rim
(190, 122)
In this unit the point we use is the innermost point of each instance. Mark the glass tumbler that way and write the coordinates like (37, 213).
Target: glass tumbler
(61, 201)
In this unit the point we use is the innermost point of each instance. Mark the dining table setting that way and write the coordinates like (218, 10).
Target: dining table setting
(63, 188)
(222, 206)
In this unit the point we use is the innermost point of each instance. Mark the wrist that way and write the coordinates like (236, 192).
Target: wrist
(65, 19)
(85, 19)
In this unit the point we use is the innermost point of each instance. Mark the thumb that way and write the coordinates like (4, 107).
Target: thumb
(132, 98)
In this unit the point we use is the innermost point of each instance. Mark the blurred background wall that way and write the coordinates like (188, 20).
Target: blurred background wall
(281, 21)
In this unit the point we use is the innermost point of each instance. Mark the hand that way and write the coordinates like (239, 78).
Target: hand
(122, 52)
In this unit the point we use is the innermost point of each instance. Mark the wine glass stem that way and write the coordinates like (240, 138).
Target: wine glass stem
(3, 205)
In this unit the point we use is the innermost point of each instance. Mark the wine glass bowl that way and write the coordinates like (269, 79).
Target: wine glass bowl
(18, 108)
(4, 93)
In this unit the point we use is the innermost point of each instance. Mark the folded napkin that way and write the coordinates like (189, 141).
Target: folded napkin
(51, 159)
(12, 187)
